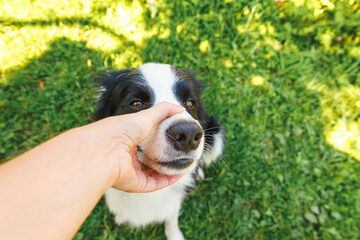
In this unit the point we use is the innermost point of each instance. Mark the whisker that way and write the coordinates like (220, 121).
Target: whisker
(208, 148)
(212, 128)
(222, 160)
(163, 158)
(202, 121)
(172, 138)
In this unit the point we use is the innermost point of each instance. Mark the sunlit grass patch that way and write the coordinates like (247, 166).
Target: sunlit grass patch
(345, 136)
(37, 23)
(127, 19)
(22, 44)
(25, 43)
(35, 10)
(340, 109)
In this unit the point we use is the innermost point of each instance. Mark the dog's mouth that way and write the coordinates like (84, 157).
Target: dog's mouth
(172, 163)
(170, 166)
(178, 164)
(181, 163)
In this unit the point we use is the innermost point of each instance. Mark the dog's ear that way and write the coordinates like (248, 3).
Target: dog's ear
(191, 74)
(110, 83)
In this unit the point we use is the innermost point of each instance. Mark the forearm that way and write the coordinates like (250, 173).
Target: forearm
(47, 192)
(52, 184)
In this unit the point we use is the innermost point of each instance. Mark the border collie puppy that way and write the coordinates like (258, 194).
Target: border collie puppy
(180, 144)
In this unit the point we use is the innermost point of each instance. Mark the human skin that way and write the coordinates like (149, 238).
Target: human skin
(47, 192)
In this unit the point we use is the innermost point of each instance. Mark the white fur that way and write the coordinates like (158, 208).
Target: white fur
(99, 92)
(140, 209)
(216, 150)
(161, 79)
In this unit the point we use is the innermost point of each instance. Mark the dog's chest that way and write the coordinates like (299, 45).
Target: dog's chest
(139, 209)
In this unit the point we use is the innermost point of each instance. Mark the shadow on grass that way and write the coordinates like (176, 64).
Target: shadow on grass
(50, 94)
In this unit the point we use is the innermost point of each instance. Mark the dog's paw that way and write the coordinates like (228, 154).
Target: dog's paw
(174, 235)
(172, 230)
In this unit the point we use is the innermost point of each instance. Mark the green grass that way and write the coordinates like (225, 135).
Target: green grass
(283, 78)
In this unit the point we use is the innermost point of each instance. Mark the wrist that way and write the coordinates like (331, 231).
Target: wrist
(96, 149)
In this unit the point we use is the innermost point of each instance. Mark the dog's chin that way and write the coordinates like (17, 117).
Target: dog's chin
(170, 167)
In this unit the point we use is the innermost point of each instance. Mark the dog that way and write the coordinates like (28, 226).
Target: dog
(181, 144)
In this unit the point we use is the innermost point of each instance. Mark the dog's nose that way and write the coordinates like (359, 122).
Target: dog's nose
(185, 136)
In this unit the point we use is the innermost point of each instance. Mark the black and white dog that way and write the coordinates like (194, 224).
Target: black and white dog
(178, 145)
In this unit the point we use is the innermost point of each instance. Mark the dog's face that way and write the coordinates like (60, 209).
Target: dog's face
(177, 143)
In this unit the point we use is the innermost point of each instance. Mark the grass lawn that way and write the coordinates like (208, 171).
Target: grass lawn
(283, 77)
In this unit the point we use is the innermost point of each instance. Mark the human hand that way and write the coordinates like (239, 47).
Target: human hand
(64, 177)
(123, 134)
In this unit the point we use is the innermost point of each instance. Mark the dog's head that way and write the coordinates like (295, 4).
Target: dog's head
(178, 143)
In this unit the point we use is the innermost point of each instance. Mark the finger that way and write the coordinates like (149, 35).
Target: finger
(149, 118)
(161, 111)
(159, 182)
(135, 159)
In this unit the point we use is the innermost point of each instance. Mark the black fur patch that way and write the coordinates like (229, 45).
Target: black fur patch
(121, 88)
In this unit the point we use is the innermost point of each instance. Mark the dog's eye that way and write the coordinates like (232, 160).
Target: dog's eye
(137, 104)
(190, 103)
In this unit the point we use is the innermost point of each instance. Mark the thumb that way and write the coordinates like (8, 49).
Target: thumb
(149, 118)
(161, 111)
